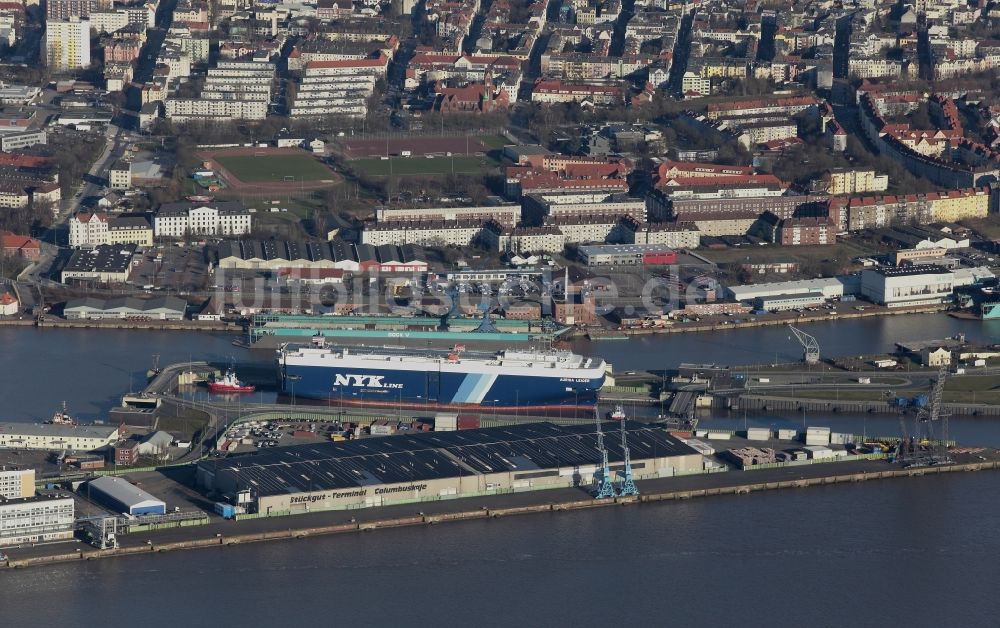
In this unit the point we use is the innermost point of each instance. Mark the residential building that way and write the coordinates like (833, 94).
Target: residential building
(16, 141)
(855, 181)
(88, 229)
(544, 239)
(56, 437)
(126, 453)
(556, 91)
(130, 229)
(431, 233)
(120, 175)
(13, 195)
(16, 483)
(177, 220)
(676, 235)
(36, 519)
(67, 44)
(20, 246)
(797, 231)
(507, 214)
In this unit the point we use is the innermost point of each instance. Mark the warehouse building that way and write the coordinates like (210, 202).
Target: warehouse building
(626, 255)
(437, 465)
(126, 308)
(56, 437)
(36, 519)
(828, 287)
(106, 263)
(280, 255)
(909, 285)
(789, 302)
(122, 496)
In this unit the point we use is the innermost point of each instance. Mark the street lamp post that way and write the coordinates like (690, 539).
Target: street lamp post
(293, 379)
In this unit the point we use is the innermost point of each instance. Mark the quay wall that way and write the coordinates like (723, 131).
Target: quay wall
(289, 532)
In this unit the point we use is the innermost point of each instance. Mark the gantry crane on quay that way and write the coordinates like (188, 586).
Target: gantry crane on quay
(922, 448)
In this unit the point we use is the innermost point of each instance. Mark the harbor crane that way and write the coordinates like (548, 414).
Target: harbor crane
(627, 486)
(605, 488)
(810, 345)
(923, 448)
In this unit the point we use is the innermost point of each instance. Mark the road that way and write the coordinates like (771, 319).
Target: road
(682, 52)
(116, 135)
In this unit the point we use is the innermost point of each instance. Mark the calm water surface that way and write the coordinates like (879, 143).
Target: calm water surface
(894, 553)
(915, 553)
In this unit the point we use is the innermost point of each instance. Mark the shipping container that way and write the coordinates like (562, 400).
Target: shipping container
(445, 422)
(700, 446)
(758, 433)
(787, 434)
(718, 435)
(467, 422)
(228, 511)
(818, 452)
(840, 439)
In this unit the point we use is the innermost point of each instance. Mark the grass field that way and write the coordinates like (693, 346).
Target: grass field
(401, 166)
(274, 168)
(494, 141)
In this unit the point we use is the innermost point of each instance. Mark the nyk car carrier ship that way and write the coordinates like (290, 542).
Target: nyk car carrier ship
(392, 376)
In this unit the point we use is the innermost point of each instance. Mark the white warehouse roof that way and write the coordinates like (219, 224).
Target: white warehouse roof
(829, 287)
(124, 492)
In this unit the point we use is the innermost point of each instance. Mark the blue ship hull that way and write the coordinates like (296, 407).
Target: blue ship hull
(391, 387)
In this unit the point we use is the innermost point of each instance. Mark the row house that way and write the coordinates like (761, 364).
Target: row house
(556, 91)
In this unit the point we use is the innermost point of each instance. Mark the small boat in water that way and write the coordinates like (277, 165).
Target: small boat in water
(229, 383)
(62, 418)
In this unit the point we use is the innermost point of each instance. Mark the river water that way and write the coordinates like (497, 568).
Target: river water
(916, 552)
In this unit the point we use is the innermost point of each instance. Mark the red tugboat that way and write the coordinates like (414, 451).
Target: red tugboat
(229, 383)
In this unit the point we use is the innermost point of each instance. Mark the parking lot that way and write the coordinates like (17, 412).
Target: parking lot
(173, 269)
(257, 435)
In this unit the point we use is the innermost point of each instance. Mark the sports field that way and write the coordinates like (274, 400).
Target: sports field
(270, 168)
(421, 145)
(402, 166)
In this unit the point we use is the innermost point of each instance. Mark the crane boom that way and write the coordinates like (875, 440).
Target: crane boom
(810, 345)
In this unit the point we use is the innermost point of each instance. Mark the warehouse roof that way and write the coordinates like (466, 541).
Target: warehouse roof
(123, 491)
(622, 249)
(434, 455)
(102, 258)
(55, 429)
(547, 445)
(127, 304)
(906, 271)
(326, 466)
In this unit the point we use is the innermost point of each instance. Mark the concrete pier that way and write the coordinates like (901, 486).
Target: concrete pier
(493, 507)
